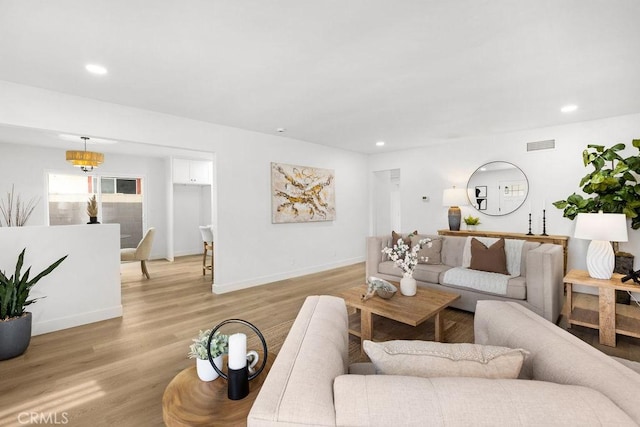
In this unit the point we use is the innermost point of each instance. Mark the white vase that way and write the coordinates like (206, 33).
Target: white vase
(408, 285)
(206, 371)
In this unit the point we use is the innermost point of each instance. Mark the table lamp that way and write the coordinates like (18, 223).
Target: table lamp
(453, 198)
(601, 229)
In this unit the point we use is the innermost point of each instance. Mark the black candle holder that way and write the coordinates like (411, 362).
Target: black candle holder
(238, 379)
(544, 223)
(529, 233)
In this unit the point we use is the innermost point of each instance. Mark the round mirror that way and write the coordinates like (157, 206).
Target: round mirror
(497, 188)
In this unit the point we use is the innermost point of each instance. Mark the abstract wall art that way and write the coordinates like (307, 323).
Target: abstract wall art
(302, 194)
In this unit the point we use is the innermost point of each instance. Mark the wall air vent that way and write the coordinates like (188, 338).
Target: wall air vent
(541, 145)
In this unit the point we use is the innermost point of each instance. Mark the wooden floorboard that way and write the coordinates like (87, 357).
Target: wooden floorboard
(113, 373)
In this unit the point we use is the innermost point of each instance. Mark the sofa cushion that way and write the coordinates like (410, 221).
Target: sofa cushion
(556, 355)
(516, 287)
(434, 359)
(430, 253)
(488, 258)
(314, 352)
(429, 273)
(386, 400)
(513, 249)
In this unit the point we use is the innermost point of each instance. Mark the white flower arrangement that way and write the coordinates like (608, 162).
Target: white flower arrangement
(404, 257)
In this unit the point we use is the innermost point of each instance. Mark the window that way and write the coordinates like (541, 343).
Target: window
(120, 201)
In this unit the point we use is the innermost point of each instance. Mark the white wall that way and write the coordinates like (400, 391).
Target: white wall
(85, 288)
(249, 249)
(27, 167)
(553, 175)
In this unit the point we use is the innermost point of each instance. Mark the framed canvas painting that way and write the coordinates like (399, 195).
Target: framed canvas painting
(302, 194)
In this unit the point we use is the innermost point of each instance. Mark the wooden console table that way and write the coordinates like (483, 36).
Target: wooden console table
(187, 401)
(601, 312)
(556, 240)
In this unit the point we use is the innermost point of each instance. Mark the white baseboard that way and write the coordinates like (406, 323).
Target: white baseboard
(52, 325)
(217, 288)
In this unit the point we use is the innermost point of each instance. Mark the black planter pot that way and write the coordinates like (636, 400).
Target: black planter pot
(93, 220)
(15, 335)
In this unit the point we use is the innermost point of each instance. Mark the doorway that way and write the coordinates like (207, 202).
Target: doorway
(386, 199)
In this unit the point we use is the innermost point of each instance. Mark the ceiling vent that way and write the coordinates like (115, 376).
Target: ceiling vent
(541, 145)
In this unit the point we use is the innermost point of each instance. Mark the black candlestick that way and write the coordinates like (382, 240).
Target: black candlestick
(544, 223)
(529, 233)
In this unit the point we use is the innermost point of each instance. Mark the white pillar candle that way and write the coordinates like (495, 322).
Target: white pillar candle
(237, 351)
(544, 204)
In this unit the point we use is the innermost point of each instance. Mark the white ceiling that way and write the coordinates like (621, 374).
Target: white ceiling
(343, 73)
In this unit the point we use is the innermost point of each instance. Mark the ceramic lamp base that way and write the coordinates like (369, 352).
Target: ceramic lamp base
(455, 216)
(600, 259)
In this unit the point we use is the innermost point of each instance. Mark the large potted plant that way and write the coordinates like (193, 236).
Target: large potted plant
(15, 322)
(612, 186)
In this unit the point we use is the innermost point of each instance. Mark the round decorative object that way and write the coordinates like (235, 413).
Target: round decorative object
(408, 286)
(383, 288)
(254, 329)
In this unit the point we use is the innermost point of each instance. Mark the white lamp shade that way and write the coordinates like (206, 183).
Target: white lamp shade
(610, 227)
(454, 197)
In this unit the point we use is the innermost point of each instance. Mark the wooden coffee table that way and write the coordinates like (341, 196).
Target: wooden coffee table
(427, 303)
(187, 401)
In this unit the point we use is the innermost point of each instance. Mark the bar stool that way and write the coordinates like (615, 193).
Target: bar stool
(207, 239)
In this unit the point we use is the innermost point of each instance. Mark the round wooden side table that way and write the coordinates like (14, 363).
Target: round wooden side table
(187, 401)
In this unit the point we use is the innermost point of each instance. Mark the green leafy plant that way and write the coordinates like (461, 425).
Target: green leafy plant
(14, 290)
(612, 185)
(471, 220)
(219, 345)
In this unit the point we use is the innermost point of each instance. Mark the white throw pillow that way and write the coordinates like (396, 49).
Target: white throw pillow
(434, 359)
(512, 248)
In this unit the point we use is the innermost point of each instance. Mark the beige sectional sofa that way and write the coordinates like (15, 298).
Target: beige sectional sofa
(539, 286)
(563, 382)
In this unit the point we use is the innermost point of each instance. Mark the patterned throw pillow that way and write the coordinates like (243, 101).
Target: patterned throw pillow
(433, 359)
(432, 253)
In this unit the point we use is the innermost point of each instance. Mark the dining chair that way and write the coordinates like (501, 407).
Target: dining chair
(141, 252)
(207, 238)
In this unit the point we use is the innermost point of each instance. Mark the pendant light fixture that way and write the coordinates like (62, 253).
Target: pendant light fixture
(85, 160)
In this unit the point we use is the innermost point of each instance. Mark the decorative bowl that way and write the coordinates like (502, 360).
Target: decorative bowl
(383, 288)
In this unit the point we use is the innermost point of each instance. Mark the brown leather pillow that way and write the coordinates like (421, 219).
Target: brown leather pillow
(407, 239)
(492, 259)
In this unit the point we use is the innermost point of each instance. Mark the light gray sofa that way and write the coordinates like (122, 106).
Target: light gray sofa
(565, 382)
(539, 287)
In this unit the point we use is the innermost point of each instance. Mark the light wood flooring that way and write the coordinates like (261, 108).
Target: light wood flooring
(113, 373)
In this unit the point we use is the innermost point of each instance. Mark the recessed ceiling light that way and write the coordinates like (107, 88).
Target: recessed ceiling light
(569, 108)
(96, 69)
(380, 143)
(281, 130)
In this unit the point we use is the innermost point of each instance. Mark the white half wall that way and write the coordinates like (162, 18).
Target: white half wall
(85, 288)
(553, 175)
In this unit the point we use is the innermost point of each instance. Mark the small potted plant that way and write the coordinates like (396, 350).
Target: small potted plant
(15, 322)
(471, 222)
(92, 210)
(198, 351)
